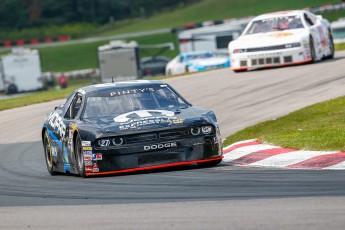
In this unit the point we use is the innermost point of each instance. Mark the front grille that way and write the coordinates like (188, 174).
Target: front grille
(158, 158)
(243, 63)
(140, 138)
(174, 134)
(287, 59)
(276, 60)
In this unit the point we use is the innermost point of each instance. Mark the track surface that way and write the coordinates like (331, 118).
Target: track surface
(223, 197)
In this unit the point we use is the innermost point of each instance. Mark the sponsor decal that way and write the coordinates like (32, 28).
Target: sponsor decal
(160, 146)
(322, 37)
(97, 156)
(143, 114)
(95, 168)
(88, 169)
(54, 151)
(87, 148)
(177, 121)
(130, 91)
(86, 143)
(87, 157)
(87, 152)
(56, 122)
(88, 163)
(283, 34)
(146, 117)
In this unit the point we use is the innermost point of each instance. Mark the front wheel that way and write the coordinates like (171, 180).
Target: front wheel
(331, 55)
(312, 50)
(79, 156)
(48, 154)
(210, 163)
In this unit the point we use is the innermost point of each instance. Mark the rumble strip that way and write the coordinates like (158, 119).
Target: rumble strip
(254, 153)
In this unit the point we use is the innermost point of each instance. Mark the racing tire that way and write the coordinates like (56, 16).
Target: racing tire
(12, 89)
(186, 69)
(79, 156)
(312, 50)
(331, 56)
(48, 154)
(210, 163)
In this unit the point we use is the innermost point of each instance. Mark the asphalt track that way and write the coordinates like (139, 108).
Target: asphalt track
(223, 197)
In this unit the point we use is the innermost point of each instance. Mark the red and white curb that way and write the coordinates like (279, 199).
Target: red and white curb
(254, 153)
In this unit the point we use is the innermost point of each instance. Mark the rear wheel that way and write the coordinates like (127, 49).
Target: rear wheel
(210, 163)
(12, 89)
(48, 154)
(78, 151)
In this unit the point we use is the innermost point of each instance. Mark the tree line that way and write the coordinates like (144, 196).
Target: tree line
(19, 14)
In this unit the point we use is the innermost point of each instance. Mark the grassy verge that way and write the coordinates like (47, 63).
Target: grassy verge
(213, 10)
(43, 96)
(317, 127)
(35, 98)
(84, 56)
(340, 46)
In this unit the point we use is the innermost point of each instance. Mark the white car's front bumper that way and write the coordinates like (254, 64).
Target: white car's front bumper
(272, 58)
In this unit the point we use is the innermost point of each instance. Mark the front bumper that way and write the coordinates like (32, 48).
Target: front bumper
(267, 59)
(135, 158)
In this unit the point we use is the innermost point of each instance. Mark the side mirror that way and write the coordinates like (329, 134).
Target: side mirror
(55, 107)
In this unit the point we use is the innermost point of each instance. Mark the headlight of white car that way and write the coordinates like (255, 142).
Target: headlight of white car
(293, 45)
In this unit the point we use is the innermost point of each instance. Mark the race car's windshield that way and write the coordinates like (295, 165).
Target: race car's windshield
(275, 24)
(122, 101)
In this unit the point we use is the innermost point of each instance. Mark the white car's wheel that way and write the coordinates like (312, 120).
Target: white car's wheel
(312, 50)
(331, 56)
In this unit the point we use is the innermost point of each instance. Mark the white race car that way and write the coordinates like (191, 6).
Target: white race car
(281, 39)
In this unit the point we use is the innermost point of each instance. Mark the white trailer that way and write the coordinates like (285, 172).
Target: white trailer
(119, 61)
(211, 38)
(20, 71)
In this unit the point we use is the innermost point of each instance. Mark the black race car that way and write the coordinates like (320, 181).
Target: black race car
(128, 126)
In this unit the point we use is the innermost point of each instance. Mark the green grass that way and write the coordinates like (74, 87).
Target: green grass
(84, 56)
(35, 98)
(340, 46)
(213, 10)
(44, 96)
(317, 127)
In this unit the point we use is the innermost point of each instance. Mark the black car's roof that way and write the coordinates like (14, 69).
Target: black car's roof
(120, 85)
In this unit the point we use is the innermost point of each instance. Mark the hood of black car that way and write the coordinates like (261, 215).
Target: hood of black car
(142, 120)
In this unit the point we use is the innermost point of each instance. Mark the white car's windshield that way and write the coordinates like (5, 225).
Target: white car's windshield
(275, 24)
(122, 101)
